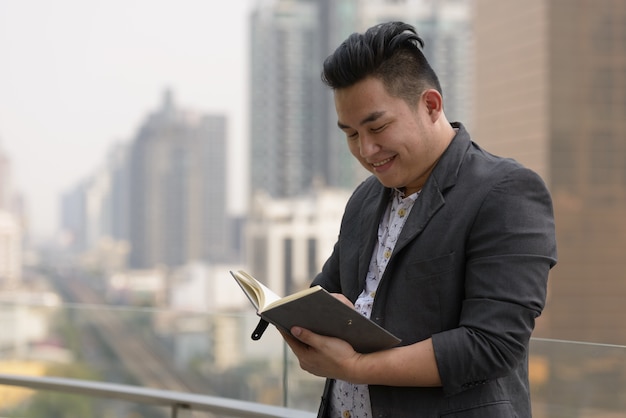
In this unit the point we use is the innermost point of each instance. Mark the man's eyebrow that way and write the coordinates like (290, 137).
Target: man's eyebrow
(369, 118)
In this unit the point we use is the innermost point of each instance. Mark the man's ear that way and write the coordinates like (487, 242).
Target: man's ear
(434, 103)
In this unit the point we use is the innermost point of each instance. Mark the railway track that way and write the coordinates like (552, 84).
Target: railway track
(139, 355)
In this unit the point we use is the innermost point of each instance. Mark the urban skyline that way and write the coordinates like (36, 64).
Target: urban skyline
(549, 148)
(71, 87)
(541, 81)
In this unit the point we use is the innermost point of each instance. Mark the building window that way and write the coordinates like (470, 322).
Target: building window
(288, 265)
(312, 268)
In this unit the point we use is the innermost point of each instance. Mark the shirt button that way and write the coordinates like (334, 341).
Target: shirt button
(346, 414)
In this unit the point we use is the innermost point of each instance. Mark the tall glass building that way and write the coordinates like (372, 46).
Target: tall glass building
(538, 101)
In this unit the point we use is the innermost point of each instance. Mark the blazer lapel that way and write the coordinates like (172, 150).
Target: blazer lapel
(427, 204)
(373, 209)
(431, 199)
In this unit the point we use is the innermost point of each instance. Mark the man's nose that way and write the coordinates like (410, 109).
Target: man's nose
(368, 146)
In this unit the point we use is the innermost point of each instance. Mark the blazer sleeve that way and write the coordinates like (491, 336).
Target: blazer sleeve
(510, 249)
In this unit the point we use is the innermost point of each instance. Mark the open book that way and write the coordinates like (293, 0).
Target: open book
(317, 310)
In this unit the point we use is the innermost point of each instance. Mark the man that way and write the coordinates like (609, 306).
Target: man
(446, 246)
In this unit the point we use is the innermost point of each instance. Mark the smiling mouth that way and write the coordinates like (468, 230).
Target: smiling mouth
(381, 163)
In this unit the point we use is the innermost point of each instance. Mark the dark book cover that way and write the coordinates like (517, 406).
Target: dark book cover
(322, 313)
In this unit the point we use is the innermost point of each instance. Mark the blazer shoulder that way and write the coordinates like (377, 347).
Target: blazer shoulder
(483, 166)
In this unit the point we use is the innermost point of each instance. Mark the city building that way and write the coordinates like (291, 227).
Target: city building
(11, 227)
(177, 189)
(10, 249)
(160, 199)
(6, 182)
(94, 215)
(204, 287)
(551, 92)
(290, 145)
(72, 214)
(288, 240)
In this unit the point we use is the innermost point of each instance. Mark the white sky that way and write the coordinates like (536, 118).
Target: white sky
(78, 75)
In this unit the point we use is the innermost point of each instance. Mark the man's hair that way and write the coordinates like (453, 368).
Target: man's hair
(391, 52)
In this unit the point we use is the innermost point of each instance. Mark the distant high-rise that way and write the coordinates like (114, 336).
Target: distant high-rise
(338, 19)
(177, 190)
(551, 92)
(118, 166)
(6, 183)
(11, 231)
(287, 152)
(292, 147)
(10, 249)
(73, 220)
(97, 208)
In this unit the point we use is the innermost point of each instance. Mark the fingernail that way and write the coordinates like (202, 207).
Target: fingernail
(295, 331)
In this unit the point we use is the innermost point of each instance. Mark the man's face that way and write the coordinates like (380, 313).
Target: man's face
(391, 139)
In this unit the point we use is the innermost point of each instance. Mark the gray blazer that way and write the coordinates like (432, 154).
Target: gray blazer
(470, 270)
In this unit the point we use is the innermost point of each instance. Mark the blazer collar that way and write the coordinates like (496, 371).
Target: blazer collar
(443, 177)
(446, 171)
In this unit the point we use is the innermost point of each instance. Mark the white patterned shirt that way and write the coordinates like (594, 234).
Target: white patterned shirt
(348, 400)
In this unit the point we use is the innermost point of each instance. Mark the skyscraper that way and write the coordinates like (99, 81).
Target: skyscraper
(177, 189)
(96, 209)
(287, 152)
(6, 183)
(11, 231)
(551, 92)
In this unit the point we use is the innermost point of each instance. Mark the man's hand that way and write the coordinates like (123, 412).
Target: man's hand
(320, 355)
(323, 356)
(411, 365)
(343, 299)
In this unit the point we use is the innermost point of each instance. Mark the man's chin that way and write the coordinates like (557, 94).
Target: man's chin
(389, 184)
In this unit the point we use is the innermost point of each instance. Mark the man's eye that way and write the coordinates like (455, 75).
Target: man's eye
(353, 135)
(379, 129)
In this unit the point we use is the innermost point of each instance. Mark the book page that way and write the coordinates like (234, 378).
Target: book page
(294, 296)
(257, 292)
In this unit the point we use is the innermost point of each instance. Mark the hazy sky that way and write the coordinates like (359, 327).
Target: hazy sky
(77, 75)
